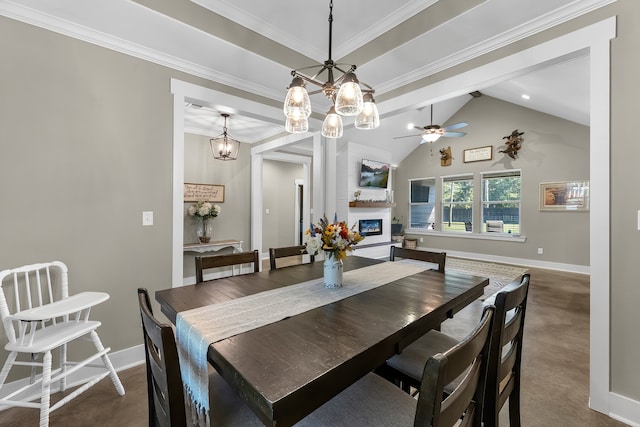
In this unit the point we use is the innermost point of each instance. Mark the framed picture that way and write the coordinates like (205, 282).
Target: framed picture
(478, 154)
(203, 193)
(564, 196)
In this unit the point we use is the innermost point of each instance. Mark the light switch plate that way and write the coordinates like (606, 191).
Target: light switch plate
(147, 218)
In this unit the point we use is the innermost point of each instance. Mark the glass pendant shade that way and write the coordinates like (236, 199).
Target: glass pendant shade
(430, 137)
(332, 125)
(368, 117)
(297, 104)
(224, 148)
(297, 125)
(349, 100)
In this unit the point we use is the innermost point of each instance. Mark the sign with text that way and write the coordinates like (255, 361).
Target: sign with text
(203, 192)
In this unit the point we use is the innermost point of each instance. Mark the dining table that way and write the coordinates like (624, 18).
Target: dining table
(286, 369)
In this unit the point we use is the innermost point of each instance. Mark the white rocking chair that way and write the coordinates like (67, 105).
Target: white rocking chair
(39, 316)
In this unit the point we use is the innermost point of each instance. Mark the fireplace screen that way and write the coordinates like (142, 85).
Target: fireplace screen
(370, 227)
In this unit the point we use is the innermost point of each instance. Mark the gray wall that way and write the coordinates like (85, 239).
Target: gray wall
(278, 179)
(233, 222)
(553, 150)
(85, 140)
(85, 135)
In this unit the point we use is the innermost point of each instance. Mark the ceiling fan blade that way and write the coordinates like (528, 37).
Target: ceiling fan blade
(418, 127)
(406, 136)
(453, 134)
(455, 126)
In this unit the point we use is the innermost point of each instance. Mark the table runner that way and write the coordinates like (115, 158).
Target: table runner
(198, 328)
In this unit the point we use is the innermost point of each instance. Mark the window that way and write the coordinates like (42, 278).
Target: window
(422, 203)
(457, 203)
(501, 202)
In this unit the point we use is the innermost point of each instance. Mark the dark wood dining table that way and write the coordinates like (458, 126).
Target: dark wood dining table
(287, 369)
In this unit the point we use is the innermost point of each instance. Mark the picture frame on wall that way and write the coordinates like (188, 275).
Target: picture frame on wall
(477, 154)
(572, 196)
(203, 193)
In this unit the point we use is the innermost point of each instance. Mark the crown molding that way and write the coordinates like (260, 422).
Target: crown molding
(79, 32)
(535, 26)
(229, 10)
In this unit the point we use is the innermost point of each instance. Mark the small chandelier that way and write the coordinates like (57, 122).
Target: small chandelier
(224, 147)
(349, 98)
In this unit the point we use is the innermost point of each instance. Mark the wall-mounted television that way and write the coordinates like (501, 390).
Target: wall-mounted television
(374, 174)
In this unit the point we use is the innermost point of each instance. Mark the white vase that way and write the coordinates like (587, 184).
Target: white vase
(332, 272)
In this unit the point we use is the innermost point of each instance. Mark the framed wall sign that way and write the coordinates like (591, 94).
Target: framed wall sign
(564, 196)
(478, 154)
(203, 193)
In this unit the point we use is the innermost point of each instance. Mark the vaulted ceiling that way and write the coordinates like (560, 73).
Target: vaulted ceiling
(249, 47)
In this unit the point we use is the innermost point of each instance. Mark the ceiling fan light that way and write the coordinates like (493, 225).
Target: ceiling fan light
(297, 103)
(332, 125)
(430, 137)
(297, 125)
(368, 117)
(349, 100)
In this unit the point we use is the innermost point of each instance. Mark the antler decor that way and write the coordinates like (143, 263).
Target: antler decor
(514, 144)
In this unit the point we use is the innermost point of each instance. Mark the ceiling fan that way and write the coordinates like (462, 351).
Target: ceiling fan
(431, 133)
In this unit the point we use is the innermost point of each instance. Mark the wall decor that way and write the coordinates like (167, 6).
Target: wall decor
(514, 144)
(564, 196)
(478, 154)
(203, 192)
(445, 156)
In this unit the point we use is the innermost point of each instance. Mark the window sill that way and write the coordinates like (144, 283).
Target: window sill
(504, 237)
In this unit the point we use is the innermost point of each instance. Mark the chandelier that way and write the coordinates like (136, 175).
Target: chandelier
(224, 147)
(350, 97)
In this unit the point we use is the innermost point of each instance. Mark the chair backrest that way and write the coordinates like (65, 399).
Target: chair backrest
(31, 286)
(215, 261)
(468, 358)
(503, 373)
(164, 383)
(426, 256)
(288, 251)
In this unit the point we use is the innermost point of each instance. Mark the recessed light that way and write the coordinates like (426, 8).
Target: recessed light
(410, 126)
(525, 96)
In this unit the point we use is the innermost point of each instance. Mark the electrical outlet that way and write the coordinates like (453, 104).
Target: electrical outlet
(421, 239)
(540, 251)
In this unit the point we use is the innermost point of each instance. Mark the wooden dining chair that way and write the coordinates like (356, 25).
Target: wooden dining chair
(374, 401)
(419, 255)
(164, 383)
(503, 369)
(505, 355)
(285, 252)
(226, 260)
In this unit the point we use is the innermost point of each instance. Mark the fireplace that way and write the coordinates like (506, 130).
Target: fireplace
(370, 227)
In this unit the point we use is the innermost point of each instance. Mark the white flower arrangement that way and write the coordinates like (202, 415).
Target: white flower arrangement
(204, 210)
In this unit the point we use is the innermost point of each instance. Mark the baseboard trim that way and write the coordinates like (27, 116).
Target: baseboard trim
(572, 268)
(625, 410)
(121, 360)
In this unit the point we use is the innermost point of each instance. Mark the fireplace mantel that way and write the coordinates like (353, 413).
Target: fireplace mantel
(371, 204)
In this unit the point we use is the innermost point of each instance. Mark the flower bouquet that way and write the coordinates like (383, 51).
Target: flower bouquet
(335, 239)
(203, 211)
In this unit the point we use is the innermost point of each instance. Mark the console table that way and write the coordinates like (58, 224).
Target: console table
(213, 246)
